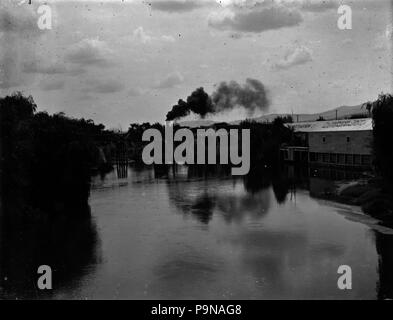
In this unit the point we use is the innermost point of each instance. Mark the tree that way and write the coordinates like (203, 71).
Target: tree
(382, 113)
(46, 160)
(368, 106)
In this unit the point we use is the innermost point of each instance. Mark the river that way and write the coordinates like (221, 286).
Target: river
(186, 235)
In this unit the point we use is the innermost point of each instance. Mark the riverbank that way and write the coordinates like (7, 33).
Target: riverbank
(371, 196)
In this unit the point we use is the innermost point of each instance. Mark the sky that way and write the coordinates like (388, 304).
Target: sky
(119, 62)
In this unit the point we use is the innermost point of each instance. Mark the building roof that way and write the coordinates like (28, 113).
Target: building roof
(365, 124)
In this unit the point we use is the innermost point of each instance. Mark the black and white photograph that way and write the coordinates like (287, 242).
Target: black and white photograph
(196, 150)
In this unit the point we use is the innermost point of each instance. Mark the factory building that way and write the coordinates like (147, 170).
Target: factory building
(337, 142)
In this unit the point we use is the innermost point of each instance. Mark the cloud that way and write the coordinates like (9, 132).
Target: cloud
(40, 67)
(9, 75)
(371, 4)
(104, 86)
(317, 5)
(299, 55)
(135, 91)
(347, 41)
(90, 52)
(258, 19)
(36, 67)
(142, 36)
(176, 5)
(8, 83)
(8, 78)
(19, 35)
(171, 80)
(389, 32)
(307, 5)
(86, 97)
(18, 20)
(338, 84)
(384, 39)
(50, 85)
(167, 38)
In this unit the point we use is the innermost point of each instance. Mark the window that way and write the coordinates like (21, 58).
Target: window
(348, 139)
(357, 159)
(296, 155)
(324, 139)
(341, 159)
(332, 158)
(348, 159)
(366, 160)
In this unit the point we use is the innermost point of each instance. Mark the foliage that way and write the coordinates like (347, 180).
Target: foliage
(46, 160)
(382, 113)
(266, 139)
(134, 138)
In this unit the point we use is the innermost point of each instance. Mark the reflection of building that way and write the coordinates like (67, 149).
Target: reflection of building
(339, 143)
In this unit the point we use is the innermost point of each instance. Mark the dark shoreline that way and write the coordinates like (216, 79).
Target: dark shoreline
(369, 194)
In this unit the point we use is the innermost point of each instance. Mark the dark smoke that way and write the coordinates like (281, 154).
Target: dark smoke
(179, 110)
(198, 102)
(251, 96)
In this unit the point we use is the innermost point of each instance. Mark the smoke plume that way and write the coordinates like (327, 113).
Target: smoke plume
(250, 96)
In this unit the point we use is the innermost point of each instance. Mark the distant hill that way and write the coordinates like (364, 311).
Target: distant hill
(197, 123)
(341, 112)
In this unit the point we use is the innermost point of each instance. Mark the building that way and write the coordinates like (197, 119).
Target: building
(338, 142)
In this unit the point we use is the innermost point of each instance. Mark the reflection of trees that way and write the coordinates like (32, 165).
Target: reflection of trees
(198, 202)
(228, 197)
(203, 208)
(281, 185)
(260, 179)
(280, 189)
(235, 208)
(67, 245)
(205, 171)
(257, 179)
(384, 245)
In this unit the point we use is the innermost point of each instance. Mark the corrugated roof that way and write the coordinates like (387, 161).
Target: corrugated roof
(334, 125)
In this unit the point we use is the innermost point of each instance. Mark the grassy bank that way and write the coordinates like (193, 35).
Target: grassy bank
(372, 196)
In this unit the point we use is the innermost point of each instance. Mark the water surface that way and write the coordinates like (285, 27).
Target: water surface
(187, 236)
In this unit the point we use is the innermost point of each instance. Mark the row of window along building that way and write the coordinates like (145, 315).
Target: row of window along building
(337, 142)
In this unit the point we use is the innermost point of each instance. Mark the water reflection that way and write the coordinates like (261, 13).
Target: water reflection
(203, 208)
(168, 232)
(67, 245)
(224, 197)
(273, 255)
(384, 244)
(233, 198)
